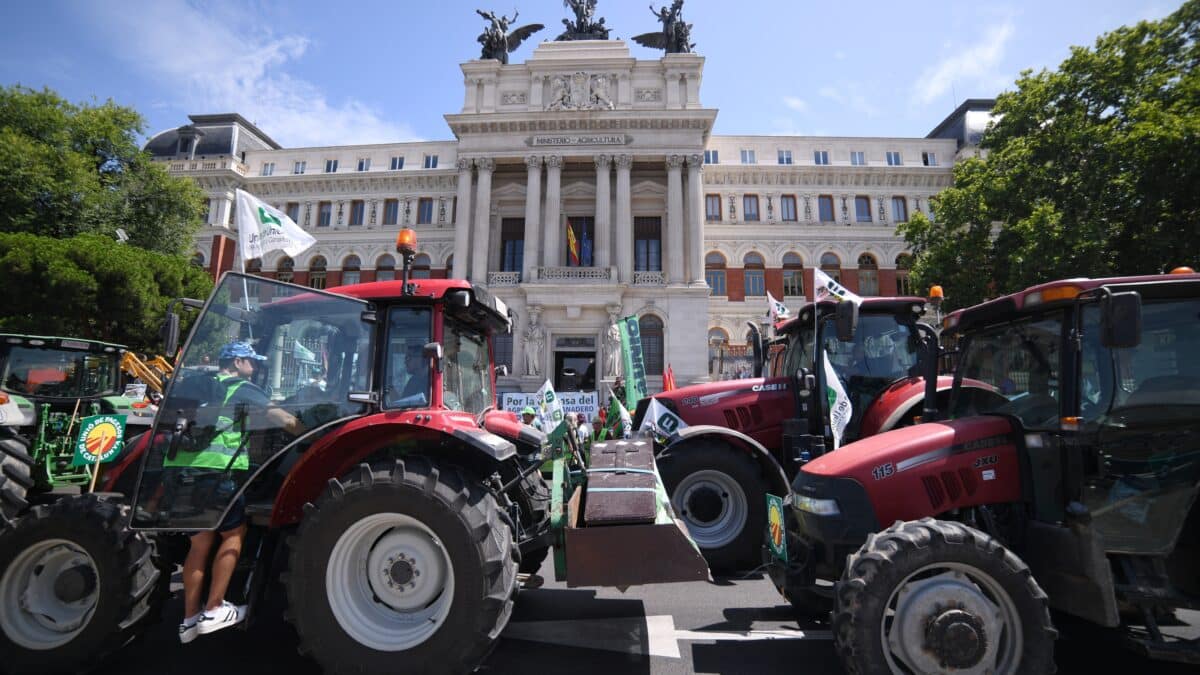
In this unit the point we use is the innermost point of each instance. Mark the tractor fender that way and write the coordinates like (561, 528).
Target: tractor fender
(777, 481)
(903, 398)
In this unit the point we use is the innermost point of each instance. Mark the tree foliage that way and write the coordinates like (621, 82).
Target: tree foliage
(88, 286)
(69, 169)
(1092, 169)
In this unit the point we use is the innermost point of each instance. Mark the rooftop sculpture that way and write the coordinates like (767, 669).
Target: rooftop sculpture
(676, 34)
(497, 41)
(583, 28)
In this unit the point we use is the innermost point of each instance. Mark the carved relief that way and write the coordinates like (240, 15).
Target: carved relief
(674, 162)
(553, 161)
(463, 164)
(603, 162)
(580, 91)
(441, 211)
(485, 164)
(533, 162)
(513, 98)
(647, 95)
(695, 162)
(807, 209)
(624, 161)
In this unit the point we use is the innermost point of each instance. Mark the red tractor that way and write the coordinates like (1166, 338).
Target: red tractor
(1068, 483)
(380, 484)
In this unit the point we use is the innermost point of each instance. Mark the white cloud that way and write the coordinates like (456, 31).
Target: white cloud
(795, 103)
(232, 65)
(849, 95)
(971, 67)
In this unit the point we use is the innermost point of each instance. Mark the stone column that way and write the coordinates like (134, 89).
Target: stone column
(601, 246)
(674, 252)
(695, 245)
(533, 212)
(483, 218)
(551, 256)
(624, 220)
(462, 220)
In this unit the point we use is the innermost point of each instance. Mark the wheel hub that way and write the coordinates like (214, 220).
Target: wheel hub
(945, 621)
(705, 504)
(957, 638)
(402, 572)
(713, 505)
(48, 594)
(75, 583)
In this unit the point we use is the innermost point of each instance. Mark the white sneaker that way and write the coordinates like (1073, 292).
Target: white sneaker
(189, 629)
(224, 616)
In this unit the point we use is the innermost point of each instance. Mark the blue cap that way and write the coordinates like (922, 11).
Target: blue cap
(240, 350)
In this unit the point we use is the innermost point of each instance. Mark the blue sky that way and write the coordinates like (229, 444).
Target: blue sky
(326, 73)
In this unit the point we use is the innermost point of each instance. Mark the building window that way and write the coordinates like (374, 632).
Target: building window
(502, 350)
(831, 265)
(868, 275)
(421, 267)
(903, 265)
(293, 211)
(397, 163)
(391, 211)
(862, 209)
(268, 169)
(254, 266)
(893, 158)
(385, 268)
(718, 342)
(357, 208)
(787, 208)
(431, 161)
(364, 163)
(449, 264)
(285, 270)
(929, 159)
(711, 157)
(185, 145)
(821, 157)
(324, 214)
(899, 209)
(351, 270)
(647, 244)
(651, 328)
(712, 208)
(424, 210)
(750, 207)
(583, 229)
(793, 275)
(785, 156)
(858, 158)
(331, 166)
(825, 208)
(299, 167)
(714, 273)
(316, 272)
(512, 244)
(748, 157)
(753, 273)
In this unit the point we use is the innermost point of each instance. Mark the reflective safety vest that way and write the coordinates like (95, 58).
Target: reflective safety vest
(224, 445)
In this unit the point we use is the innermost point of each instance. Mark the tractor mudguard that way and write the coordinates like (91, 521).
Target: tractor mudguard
(777, 481)
(903, 399)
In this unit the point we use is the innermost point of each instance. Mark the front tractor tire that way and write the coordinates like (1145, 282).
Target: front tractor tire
(719, 493)
(408, 566)
(934, 596)
(75, 584)
(16, 475)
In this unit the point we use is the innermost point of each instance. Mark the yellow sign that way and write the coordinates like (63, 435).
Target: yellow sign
(776, 531)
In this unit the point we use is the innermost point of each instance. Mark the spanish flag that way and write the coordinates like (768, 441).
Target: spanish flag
(572, 246)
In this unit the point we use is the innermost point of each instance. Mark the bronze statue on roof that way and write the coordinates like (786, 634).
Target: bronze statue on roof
(583, 28)
(497, 41)
(676, 34)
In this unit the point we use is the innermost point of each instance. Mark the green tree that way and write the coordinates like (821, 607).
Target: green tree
(90, 287)
(1092, 169)
(69, 169)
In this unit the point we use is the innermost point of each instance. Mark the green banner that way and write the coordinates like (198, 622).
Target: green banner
(635, 368)
(100, 439)
(776, 529)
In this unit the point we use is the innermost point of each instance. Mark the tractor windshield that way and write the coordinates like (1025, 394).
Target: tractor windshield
(266, 363)
(883, 350)
(1021, 363)
(468, 375)
(45, 372)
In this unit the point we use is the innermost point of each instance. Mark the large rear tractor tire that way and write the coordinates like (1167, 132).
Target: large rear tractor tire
(933, 596)
(16, 475)
(402, 567)
(75, 584)
(718, 492)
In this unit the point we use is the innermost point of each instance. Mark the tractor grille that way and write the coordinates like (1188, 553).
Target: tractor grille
(937, 495)
(947, 487)
(970, 484)
(742, 417)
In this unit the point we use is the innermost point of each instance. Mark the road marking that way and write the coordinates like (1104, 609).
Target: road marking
(648, 636)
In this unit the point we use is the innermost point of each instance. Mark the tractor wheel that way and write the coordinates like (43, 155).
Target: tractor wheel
(936, 596)
(718, 491)
(76, 584)
(16, 476)
(406, 566)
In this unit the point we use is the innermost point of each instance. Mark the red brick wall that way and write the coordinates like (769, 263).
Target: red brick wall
(300, 278)
(367, 275)
(809, 280)
(333, 278)
(887, 282)
(224, 250)
(774, 279)
(735, 285)
(850, 279)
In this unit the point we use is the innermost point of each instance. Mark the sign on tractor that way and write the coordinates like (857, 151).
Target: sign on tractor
(100, 439)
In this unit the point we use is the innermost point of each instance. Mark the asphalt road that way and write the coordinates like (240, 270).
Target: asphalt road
(730, 626)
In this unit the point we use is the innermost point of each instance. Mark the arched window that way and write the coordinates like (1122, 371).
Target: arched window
(254, 266)
(718, 341)
(651, 328)
(316, 272)
(285, 269)
(385, 268)
(420, 266)
(714, 273)
(198, 260)
(793, 275)
(868, 275)
(351, 270)
(831, 265)
(903, 265)
(450, 266)
(753, 270)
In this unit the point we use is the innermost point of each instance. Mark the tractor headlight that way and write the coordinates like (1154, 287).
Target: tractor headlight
(818, 507)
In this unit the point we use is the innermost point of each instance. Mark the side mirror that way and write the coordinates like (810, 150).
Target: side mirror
(459, 299)
(170, 334)
(756, 346)
(433, 350)
(846, 319)
(1121, 320)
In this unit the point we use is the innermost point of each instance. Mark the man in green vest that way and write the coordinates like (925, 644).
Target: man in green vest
(219, 469)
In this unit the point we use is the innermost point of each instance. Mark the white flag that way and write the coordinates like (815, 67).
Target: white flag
(776, 309)
(262, 228)
(827, 288)
(661, 421)
(550, 410)
(840, 408)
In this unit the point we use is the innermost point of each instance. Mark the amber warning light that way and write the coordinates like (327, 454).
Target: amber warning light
(406, 242)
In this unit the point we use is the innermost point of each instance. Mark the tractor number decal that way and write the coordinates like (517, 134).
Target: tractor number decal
(775, 530)
(99, 439)
(988, 460)
(883, 471)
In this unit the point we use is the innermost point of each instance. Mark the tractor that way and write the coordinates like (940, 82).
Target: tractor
(1068, 482)
(386, 497)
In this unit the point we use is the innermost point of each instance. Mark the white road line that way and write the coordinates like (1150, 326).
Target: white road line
(649, 636)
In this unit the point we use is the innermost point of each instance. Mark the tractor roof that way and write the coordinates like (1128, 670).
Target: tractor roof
(428, 290)
(870, 305)
(51, 342)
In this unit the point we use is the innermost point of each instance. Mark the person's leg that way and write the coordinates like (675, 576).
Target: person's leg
(224, 564)
(193, 572)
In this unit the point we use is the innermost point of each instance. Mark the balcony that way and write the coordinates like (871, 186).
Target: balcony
(649, 279)
(576, 275)
(503, 278)
(221, 164)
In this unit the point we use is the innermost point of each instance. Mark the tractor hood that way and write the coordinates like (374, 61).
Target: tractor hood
(754, 406)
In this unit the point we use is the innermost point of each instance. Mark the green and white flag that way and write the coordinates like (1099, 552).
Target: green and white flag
(840, 408)
(550, 412)
(828, 289)
(618, 422)
(635, 368)
(661, 421)
(262, 228)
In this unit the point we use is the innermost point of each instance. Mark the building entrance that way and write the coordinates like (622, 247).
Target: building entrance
(574, 371)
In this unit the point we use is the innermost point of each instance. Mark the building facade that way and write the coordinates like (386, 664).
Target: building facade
(581, 186)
